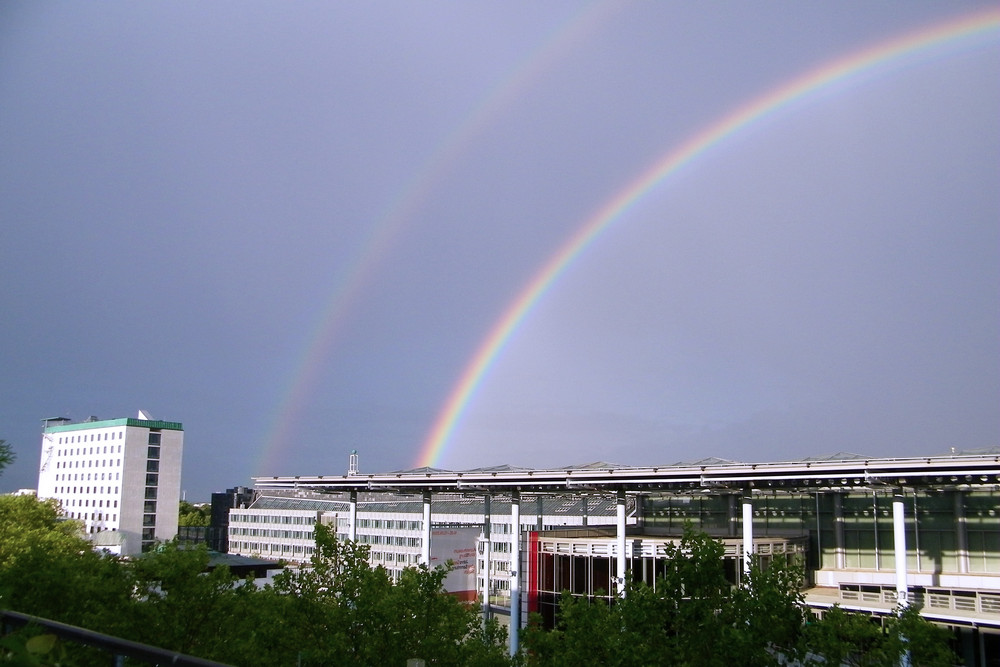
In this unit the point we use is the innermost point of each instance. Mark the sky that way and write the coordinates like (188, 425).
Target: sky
(292, 227)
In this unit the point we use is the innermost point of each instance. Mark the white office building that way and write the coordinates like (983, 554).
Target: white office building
(121, 478)
(280, 525)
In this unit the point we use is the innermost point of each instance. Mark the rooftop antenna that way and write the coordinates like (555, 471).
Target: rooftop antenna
(352, 467)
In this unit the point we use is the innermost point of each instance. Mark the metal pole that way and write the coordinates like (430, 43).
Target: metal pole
(621, 542)
(352, 521)
(425, 542)
(899, 547)
(747, 533)
(487, 552)
(515, 570)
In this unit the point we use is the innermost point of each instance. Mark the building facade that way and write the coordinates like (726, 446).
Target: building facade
(872, 533)
(120, 477)
(281, 525)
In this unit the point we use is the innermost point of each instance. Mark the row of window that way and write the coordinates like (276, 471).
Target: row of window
(265, 532)
(85, 489)
(70, 439)
(92, 516)
(270, 518)
(91, 463)
(84, 451)
(389, 539)
(79, 477)
(245, 548)
(87, 502)
(387, 523)
(395, 557)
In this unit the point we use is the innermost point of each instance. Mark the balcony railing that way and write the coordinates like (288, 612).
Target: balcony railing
(118, 649)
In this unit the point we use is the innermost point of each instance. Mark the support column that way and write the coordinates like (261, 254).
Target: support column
(747, 533)
(899, 547)
(583, 508)
(352, 521)
(819, 537)
(961, 532)
(425, 542)
(620, 578)
(487, 553)
(838, 530)
(515, 570)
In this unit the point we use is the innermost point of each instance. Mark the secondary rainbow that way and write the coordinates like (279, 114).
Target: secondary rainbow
(967, 27)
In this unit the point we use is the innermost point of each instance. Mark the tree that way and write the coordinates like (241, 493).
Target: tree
(770, 608)
(347, 612)
(696, 617)
(859, 640)
(688, 619)
(48, 569)
(182, 605)
(189, 514)
(7, 455)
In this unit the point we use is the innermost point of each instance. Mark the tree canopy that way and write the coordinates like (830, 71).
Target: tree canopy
(695, 617)
(338, 611)
(6, 455)
(189, 514)
(342, 611)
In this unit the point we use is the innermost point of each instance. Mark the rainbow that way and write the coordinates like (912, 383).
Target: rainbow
(813, 81)
(354, 276)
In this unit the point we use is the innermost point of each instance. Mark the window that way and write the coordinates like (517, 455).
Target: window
(151, 479)
(151, 493)
(153, 452)
(152, 466)
(149, 506)
(154, 438)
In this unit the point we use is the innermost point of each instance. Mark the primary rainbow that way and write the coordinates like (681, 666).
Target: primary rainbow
(977, 24)
(350, 281)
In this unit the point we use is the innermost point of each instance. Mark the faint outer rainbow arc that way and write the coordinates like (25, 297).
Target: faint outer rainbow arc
(811, 82)
(352, 278)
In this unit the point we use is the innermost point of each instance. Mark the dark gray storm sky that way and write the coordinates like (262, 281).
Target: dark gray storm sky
(188, 190)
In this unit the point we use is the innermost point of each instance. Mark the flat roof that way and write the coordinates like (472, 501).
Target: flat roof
(710, 475)
(125, 421)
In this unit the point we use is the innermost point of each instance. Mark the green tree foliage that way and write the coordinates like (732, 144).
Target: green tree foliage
(858, 640)
(350, 613)
(339, 611)
(342, 611)
(189, 514)
(695, 617)
(653, 627)
(48, 569)
(6, 455)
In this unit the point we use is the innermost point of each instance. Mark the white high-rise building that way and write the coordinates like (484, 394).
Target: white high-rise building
(120, 477)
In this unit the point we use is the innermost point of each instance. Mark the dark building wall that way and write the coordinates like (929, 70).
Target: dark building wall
(234, 498)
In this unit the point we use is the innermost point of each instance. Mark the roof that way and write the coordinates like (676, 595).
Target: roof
(440, 504)
(835, 472)
(104, 423)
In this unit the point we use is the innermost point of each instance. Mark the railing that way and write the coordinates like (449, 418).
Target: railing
(118, 648)
(981, 602)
